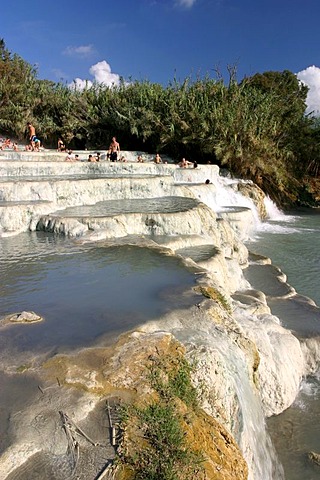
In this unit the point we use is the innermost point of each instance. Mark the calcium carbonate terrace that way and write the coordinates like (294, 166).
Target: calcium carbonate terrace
(33, 184)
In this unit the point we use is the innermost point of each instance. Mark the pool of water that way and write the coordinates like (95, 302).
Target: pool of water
(138, 205)
(83, 291)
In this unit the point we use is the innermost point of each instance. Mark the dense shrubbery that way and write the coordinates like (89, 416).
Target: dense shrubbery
(256, 128)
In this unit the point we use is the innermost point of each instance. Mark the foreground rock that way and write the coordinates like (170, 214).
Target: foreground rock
(23, 317)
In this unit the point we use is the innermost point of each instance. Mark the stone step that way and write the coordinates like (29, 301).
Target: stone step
(77, 190)
(199, 253)
(19, 216)
(20, 168)
(43, 167)
(299, 314)
(54, 156)
(269, 279)
(148, 216)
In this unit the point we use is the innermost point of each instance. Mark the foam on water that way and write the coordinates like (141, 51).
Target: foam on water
(276, 228)
(309, 387)
(274, 213)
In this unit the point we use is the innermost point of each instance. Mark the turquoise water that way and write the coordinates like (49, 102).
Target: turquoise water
(292, 242)
(87, 294)
(83, 292)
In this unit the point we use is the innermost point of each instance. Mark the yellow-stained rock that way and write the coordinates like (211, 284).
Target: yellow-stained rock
(123, 371)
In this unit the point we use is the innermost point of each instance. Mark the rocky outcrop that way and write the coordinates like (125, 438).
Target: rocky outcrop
(124, 371)
(22, 317)
(252, 191)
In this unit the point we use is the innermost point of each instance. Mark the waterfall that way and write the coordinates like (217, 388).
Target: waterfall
(272, 210)
(222, 195)
(232, 391)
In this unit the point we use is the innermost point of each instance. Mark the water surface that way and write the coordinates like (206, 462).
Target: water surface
(109, 208)
(292, 242)
(83, 291)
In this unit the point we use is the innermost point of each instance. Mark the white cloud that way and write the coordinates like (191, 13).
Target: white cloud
(79, 84)
(311, 77)
(186, 3)
(81, 51)
(101, 72)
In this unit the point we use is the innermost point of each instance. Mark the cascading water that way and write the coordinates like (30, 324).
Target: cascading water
(221, 194)
(247, 423)
(272, 210)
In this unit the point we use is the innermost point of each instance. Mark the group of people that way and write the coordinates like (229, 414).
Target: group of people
(6, 143)
(94, 158)
(113, 153)
(185, 164)
(71, 157)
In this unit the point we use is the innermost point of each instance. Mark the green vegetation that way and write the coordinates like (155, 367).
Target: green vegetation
(214, 294)
(158, 449)
(23, 368)
(256, 128)
(171, 377)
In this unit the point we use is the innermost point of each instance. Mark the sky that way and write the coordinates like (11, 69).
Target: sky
(78, 42)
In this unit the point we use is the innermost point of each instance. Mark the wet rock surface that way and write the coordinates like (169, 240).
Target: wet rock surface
(22, 317)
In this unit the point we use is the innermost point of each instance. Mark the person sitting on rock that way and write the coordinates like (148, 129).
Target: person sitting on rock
(70, 156)
(61, 145)
(140, 159)
(36, 144)
(6, 143)
(184, 163)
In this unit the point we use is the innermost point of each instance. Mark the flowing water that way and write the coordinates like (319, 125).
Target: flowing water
(292, 242)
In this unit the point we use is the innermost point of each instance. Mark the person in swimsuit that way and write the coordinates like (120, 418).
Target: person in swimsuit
(32, 134)
(157, 159)
(114, 150)
(61, 145)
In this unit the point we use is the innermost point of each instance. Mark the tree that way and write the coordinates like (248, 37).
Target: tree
(289, 96)
(17, 79)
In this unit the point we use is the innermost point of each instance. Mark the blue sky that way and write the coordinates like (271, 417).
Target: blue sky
(159, 40)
